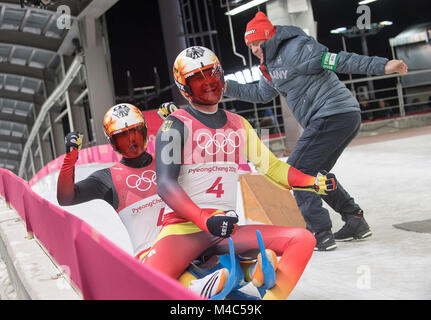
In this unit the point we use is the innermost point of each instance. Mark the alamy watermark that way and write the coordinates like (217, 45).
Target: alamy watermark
(363, 282)
(364, 20)
(62, 279)
(64, 21)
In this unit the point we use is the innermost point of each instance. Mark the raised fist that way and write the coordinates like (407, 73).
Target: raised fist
(73, 140)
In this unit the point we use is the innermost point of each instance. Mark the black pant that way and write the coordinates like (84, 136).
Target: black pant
(319, 148)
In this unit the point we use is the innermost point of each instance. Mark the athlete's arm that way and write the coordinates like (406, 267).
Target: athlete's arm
(169, 149)
(93, 187)
(280, 172)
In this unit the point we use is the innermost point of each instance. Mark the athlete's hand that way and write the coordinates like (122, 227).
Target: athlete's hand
(73, 140)
(222, 223)
(325, 182)
(166, 109)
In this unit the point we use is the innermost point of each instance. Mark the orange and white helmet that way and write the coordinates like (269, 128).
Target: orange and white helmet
(126, 130)
(199, 76)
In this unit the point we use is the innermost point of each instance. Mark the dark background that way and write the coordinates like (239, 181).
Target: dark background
(136, 39)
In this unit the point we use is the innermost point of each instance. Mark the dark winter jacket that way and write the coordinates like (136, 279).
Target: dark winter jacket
(294, 63)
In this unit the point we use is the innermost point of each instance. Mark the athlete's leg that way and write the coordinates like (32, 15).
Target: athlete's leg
(172, 254)
(173, 251)
(294, 245)
(185, 278)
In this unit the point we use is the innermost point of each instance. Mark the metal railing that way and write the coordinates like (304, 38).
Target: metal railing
(399, 102)
(394, 101)
(69, 76)
(266, 118)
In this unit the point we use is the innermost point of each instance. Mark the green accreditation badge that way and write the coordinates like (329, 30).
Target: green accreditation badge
(329, 61)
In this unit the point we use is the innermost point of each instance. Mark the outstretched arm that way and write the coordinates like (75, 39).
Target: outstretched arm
(316, 57)
(346, 62)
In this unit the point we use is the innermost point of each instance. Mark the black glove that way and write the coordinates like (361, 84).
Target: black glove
(324, 182)
(330, 182)
(166, 109)
(73, 140)
(222, 224)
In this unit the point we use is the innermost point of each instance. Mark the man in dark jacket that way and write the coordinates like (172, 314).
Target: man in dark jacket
(303, 71)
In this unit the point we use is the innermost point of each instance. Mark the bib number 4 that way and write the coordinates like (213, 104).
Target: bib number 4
(216, 188)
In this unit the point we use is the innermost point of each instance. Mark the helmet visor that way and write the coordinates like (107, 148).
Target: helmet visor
(131, 143)
(206, 86)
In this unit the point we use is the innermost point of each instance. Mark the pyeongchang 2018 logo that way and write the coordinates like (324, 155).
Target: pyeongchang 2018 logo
(143, 182)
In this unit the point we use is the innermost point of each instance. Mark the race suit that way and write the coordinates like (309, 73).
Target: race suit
(201, 177)
(129, 186)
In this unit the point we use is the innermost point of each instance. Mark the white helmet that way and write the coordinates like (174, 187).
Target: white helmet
(126, 130)
(199, 75)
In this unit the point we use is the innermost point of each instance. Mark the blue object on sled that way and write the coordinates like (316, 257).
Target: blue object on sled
(231, 262)
(267, 268)
(236, 274)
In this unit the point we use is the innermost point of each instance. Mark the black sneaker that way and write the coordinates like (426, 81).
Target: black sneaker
(355, 228)
(325, 241)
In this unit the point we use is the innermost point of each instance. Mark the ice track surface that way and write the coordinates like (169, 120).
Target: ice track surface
(389, 179)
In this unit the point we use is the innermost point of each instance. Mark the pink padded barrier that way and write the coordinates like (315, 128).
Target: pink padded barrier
(2, 190)
(99, 268)
(14, 188)
(123, 279)
(56, 229)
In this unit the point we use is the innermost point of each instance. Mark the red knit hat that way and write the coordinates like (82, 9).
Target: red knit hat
(259, 28)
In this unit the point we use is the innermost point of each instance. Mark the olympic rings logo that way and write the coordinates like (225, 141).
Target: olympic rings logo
(143, 182)
(218, 142)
